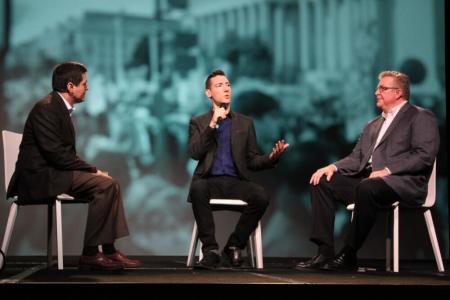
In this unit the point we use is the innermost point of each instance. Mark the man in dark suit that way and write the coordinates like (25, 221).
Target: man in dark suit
(224, 143)
(48, 165)
(392, 161)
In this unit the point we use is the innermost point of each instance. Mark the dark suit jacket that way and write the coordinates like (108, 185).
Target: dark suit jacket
(203, 145)
(47, 154)
(408, 148)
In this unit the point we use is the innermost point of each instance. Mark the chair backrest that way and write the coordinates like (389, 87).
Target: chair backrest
(11, 144)
(431, 196)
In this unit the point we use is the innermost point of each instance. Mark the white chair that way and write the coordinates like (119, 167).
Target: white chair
(11, 143)
(393, 225)
(254, 247)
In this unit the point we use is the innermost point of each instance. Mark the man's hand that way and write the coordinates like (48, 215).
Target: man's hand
(380, 173)
(219, 112)
(101, 173)
(279, 148)
(328, 171)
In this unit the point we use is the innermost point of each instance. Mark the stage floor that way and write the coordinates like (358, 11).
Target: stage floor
(170, 274)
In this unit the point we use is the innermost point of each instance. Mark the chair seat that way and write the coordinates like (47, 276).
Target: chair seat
(351, 207)
(64, 198)
(235, 202)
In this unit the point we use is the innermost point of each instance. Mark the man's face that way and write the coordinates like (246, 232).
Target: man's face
(388, 93)
(219, 90)
(78, 92)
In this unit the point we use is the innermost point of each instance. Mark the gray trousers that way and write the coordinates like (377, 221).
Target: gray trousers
(106, 216)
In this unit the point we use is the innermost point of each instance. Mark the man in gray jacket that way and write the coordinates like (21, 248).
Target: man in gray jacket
(392, 161)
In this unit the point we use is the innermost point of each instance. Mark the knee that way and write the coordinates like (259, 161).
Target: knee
(322, 186)
(199, 191)
(323, 183)
(262, 198)
(110, 184)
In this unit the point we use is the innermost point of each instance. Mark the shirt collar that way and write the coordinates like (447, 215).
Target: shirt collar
(70, 108)
(393, 112)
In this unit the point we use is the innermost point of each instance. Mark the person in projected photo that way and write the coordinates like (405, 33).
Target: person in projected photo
(224, 143)
(392, 161)
(48, 165)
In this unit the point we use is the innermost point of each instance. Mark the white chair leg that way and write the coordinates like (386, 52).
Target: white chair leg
(258, 247)
(9, 228)
(59, 237)
(192, 246)
(251, 249)
(49, 234)
(200, 251)
(396, 241)
(433, 239)
(389, 231)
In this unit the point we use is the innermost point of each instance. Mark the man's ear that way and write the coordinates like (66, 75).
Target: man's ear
(401, 93)
(69, 85)
(208, 93)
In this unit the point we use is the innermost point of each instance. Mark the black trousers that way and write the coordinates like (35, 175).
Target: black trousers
(106, 216)
(368, 195)
(226, 187)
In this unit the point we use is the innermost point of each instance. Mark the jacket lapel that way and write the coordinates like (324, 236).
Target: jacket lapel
(65, 114)
(394, 123)
(375, 130)
(234, 130)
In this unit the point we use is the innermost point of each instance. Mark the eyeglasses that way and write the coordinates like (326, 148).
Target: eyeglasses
(385, 88)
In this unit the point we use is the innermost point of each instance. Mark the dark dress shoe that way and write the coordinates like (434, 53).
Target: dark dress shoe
(121, 258)
(210, 261)
(98, 262)
(314, 262)
(232, 256)
(344, 261)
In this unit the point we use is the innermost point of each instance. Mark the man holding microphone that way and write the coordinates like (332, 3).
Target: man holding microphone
(224, 143)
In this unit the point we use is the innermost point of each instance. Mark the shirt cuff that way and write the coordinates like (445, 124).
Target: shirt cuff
(387, 169)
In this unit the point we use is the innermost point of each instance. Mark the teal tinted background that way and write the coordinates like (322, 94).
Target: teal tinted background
(304, 70)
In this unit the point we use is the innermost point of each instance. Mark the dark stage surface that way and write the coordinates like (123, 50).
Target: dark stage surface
(168, 274)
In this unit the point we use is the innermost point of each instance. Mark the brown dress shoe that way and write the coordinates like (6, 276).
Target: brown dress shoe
(98, 262)
(121, 258)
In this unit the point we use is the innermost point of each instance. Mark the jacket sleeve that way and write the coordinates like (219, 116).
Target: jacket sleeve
(200, 141)
(255, 160)
(46, 129)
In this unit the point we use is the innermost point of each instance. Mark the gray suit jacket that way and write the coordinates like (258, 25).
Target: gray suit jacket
(408, 148)
(202, 146)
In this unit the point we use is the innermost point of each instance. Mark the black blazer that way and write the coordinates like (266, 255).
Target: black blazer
(246, 155)
(47, 154)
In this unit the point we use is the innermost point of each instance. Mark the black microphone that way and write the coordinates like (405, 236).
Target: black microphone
(219, 119)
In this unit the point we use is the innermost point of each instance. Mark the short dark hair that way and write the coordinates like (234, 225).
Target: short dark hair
(214, 73)
(63, 73)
